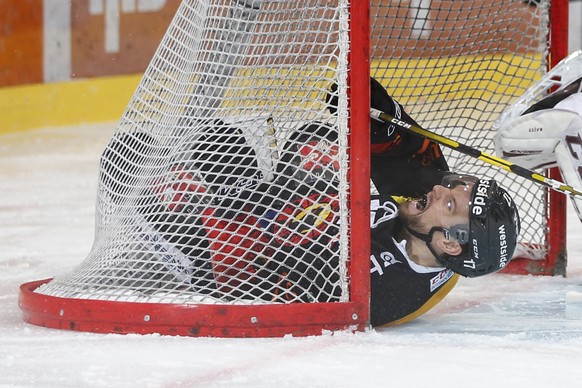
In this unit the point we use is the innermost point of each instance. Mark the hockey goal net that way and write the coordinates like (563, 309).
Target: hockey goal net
(232, 203)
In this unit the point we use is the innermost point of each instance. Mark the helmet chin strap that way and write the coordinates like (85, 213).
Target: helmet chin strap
(427, 238)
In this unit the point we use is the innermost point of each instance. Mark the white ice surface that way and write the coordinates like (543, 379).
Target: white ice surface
(496, 331)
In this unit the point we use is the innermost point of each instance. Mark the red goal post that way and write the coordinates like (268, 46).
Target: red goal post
(555, 262)
(163, 261)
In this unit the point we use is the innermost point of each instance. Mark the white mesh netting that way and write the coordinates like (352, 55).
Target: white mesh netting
(227, 179)
(456, 66)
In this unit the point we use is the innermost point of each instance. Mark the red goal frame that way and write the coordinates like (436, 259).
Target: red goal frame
(268, 320)
(300, 319)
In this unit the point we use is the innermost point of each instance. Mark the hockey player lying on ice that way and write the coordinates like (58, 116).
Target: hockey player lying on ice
(242, 237)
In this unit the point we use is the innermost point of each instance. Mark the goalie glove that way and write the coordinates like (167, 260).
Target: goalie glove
(531, 140)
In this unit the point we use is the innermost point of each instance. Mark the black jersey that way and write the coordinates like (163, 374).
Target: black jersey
(402, 164)
(400, 289)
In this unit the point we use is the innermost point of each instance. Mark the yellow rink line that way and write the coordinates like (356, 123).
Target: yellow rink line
(459, 77)
(67, 103)
(105, 99)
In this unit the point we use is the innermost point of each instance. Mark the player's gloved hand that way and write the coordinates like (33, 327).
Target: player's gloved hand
(385, 137)
(379, 99)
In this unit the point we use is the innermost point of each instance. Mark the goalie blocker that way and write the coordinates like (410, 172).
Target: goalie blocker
(548, 133)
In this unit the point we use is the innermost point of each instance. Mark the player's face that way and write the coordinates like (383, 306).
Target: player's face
(443, 206)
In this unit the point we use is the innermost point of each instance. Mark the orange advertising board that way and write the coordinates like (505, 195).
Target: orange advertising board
(120, 38)
(21, 42)
(60, 40)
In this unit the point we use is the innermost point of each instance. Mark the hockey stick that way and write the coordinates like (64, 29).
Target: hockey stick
(475, 153)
